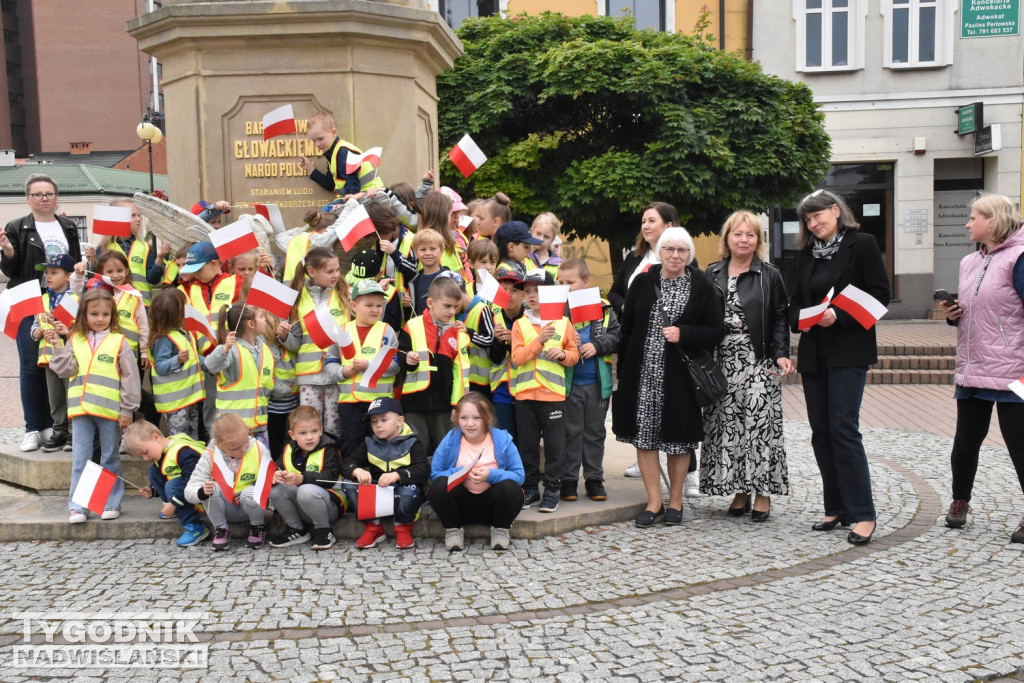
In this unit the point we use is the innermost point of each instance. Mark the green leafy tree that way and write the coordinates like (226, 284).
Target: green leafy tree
(592, 119)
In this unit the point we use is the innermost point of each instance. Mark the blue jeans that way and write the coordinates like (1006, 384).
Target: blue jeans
(354, 429)
(173, 489)
(407, 500)
(506, 416)
(83, 431)
(833, 397)
(35, 402)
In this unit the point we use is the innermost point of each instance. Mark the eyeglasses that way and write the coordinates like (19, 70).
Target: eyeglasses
(43, 195)
(676, 250)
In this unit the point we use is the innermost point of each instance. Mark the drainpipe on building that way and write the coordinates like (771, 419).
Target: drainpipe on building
(721, 25)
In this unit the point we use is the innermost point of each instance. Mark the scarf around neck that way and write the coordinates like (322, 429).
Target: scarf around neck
(825, 250)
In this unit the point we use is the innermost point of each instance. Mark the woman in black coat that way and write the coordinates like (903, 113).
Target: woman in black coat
(25, 243)
(671, 305)
(834, 355)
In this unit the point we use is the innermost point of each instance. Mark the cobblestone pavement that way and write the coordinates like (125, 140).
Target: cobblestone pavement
(714, 599)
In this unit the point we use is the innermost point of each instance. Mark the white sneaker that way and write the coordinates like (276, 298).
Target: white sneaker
(77, 518)
(454, 539)
(30, 442)
(499, 538)
(110, 514)
(691, 487)
(633, 471)
(46, 435)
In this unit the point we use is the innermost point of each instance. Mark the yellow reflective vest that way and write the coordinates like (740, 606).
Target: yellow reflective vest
(182, 388)
(96, 387)
(127, 305)
(223, 295)
(45, 348)
(540, 372)
(419, 379)
(310, 357)
(137, 257)
(349, 390)
(248, 396)
(479, 358)
(368, 178)
(169, 463)
(314, 463)
(249, 471)
(298, 247)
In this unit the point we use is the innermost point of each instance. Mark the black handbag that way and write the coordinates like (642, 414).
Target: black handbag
(707, 378)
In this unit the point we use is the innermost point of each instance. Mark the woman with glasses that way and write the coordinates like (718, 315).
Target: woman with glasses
(671, 309)
(26, 243)
(834, 355)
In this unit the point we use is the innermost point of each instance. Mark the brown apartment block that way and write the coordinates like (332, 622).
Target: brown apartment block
(72, 77)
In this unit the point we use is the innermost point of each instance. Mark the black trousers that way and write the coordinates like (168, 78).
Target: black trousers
(535, 419)
(973, 417)
(498, 506)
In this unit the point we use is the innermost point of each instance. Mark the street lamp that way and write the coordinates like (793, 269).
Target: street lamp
(151, 134)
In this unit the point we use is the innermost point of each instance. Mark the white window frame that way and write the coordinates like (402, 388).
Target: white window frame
(857, 13)
(668, 14)
(945, 31)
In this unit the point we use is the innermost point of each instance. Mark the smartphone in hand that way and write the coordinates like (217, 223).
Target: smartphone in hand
(947, 297)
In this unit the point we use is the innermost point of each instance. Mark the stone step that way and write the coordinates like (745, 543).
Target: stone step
(50, 473)
(916, 363)
(877, 375)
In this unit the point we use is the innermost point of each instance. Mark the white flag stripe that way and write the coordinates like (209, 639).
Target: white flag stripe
(472, 151)
(115, 214)
(585, 297)
(86, 484)
(553, 294)
(869, 303)
(229, 233)
(276, 116)
(1017, 387)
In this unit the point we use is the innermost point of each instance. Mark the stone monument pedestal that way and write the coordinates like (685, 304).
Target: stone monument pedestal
(370, 64)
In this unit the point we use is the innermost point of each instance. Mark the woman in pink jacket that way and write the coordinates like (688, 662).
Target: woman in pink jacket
(989, 316)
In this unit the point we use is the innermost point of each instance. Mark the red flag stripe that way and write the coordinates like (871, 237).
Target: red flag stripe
(491, 290)
(865, 309)
(321, 326)
(18, 303)
(235, 239)
(281, 121)
(112, 220)
(268, 293)
(585, 305)
(375, 501)
(94, 487)
(378, 366)
(467, 156)
(355, 226)
(354, 161)
(222, 474)
(345, 344)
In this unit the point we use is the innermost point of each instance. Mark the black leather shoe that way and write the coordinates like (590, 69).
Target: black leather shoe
(760, 515)
(830, 525)
(647, 518)
(856, 539)
(739, 512)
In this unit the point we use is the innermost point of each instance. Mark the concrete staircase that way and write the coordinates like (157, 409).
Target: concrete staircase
(904, 363)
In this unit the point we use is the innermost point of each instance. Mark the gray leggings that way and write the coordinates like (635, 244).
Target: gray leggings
(310, 503)
(221, 512)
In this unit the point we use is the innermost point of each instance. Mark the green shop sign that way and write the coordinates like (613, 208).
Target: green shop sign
(989, 18)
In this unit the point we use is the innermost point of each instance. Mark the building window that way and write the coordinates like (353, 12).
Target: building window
(830, 34)
(918, 33)
(645, 13)
(457, 11)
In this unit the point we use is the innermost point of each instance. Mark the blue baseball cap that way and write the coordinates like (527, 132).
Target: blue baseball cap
(516, 231)
(63, 261)
(198, 255)
(379, 406)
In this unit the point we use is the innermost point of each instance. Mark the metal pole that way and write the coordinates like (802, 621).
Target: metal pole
(151, 188)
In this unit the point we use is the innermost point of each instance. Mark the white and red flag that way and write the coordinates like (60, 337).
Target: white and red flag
(376, 368)
(490, 290)
(66, 310)
(105, 279)
(115, 221)
(809, 317)
(234, 239)
(465, 221)
(272, 212)
(585, 305)
(466, 156)
(345, 344)
(354, 161)
(865, 309)
(553, 299)
(264, 481)
(459, 475)
(198, 324)
(281, 121)
(321, 326)
(1017, 387)
(18, 303)
(357, 225)
(222, 473)
(266, 292)
(94, 487)
(375, 502)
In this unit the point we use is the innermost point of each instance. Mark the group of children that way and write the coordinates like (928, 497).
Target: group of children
(253, 388)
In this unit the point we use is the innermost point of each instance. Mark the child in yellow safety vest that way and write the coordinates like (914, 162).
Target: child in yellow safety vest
(103, 393)
(130, 309)
(174, 459)
(58, 269)
(304, 493)
(297, 242)
(501, 354)
(545, 227)
(318, 283)
(177, 375)
(478, 315)
(435, 354)
(540, 355)
(243, 458)
(244, 366)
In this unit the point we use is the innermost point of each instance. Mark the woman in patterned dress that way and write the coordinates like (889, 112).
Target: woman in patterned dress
(743, 446)
(670, 308)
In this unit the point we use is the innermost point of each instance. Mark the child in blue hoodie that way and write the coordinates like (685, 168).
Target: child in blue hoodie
(492, 492)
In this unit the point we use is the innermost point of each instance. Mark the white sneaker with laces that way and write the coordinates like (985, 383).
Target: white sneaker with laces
(633, 471)
(30, 442)
(110, 514)
(691, 487)
(77, 518)
(46, 435)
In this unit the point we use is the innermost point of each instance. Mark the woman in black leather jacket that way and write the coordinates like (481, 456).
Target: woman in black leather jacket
(743, 451)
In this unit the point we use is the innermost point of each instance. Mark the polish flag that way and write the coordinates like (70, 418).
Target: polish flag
(272, 212)
(19, 303)
(1017, 387)
(459, 475)
(115, 221)
(375, 502)
(491, 290)
(553, 299)
(198, 324)
(105, 279)
(345, 344)
(376, 368)
(94, 487)
(356, 226)
(865, 309)
(66, 310)
(266, 292)
(264, 481)
(465, 221)
(354, 161)
(281, 121)
(234, 239)
(809, 317)
(585, 305)
(321, 326)
(222, 474)
(466, 156)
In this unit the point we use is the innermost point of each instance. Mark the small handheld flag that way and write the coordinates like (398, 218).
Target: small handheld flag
(272, 212)
(94, 487)
(459, 475)
(356, 226)
(235, 239)
(66, 310)
(354, 161)
(553, 299)
(491, 290)
(198, 324)
(345, 345)
(375, 502)
(264, 481)
(809, 317)
(281, 121)
(585, 305)
(466, 156)
(376, 368)
(865, 309)
(115, 221)
(321, 326)
(266, 292)
(18, 303)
